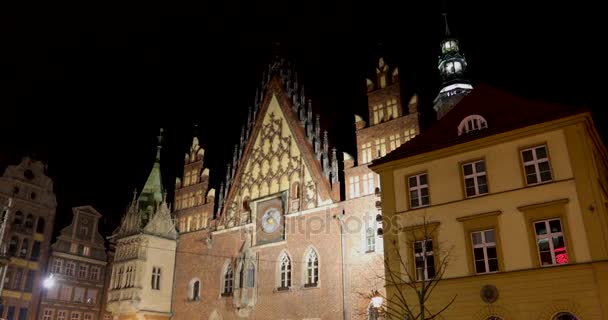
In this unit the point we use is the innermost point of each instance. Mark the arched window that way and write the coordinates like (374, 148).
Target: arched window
(25, 246)
(295, 190)
(12, 247)
(242, 276)
(40, 225)
(370, 240)
(18, 218)
(565, 316)
(285, 272)
(29, 221)
(472, 123)
(228, 280)
(195, 290)
(312, 269)
(250, 275)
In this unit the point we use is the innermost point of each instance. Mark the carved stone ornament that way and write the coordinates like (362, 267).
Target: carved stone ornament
(489, 293)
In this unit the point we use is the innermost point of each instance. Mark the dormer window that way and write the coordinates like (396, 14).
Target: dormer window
(472, 123)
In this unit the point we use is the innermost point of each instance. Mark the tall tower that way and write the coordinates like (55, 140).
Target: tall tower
(452, 67)
(141, 284)
(27, 225)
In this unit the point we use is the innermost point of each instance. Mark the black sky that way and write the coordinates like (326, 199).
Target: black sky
(85, 88)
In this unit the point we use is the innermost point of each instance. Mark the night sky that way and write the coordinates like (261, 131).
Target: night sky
(85, 89)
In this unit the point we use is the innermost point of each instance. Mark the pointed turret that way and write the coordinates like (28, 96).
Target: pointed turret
(152, 193)
(452, 67)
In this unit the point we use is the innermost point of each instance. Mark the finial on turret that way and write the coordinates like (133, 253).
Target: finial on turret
(447, 28)
(158, 147)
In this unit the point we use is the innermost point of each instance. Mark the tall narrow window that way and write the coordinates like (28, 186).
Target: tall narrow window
(187, 178)
(119, 278)
(366, 153)
(394, 141)
(40, 225)
(250, 275)
(370, 240)
(195, 290)
(380, 147)
(536, 165)
(409, 134)
(94, 273)
(156, 278)
(354, 187)
(29, 281)
(228, 280)
(79, 294)
(312, 269)
(18, 279)
(419, 191)
(484, 251)
(29, 221)
(242, 276)
(23, 313)
(25, 246)
(392, 109)
(368, 183)
(70, 268)
(425, 260)
(18, 220)
(475, 182)
(285, 282)
(35, 251)
(66, 293)
(375, 110)
(12, 247)
(550, 241)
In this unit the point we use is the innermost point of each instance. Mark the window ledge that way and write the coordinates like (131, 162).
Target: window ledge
(193, 300)
(370, 251)
(309, 286)
(281, 289)
(226, 294)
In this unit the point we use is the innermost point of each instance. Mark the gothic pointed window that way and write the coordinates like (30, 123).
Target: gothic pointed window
(250, 275)
(195, 290)
(312, 269)
(285, 272)
(472, 123)
(242, 276)
(228, 280)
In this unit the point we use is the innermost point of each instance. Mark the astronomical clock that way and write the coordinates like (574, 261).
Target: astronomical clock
(270, 220)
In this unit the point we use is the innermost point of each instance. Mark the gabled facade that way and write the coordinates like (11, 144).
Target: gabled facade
(77, 269)
(141, 283)
(26, 193)
(515, 192)
(282, 233)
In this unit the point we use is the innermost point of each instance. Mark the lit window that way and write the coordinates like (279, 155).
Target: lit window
(472, 123)
(155, 278)
(484, 251)
(285, 272)
(70, 268)
(366, 153)
(550, 241)
(187, 179)
(376, 113)
(368, 183)
(536, 165)
(425, 259)
(419, 191)
(380, 147)
(86, 251)
(91, 296)
(312, 269)
(74, 248)
(57, 264)
(409, 134)
(94, 273)
(83, 271)
(84, 230)
(25, 245)
(394, 141)
(475, 178)
(79, 294)
(392, 111)
(354, 187)
(370, 240)
(457, 66)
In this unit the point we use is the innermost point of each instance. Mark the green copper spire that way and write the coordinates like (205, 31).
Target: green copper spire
(152, 193)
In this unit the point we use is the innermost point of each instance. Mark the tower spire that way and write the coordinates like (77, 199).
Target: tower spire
(447, 28)
(159, 146)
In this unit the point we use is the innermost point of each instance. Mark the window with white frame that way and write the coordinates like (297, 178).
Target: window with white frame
(66, 293)
(228, 280)
(62, 314)
(48, 314)
(394, 141)
(86, 251)
(366, 153)
(312, 269)
(370, 240)
(484, 251)
(88, 316)
(378, 113)
(83, 271)
(419, 191)
(368, 183)
(75, 315)
(155, 283)
(94, 273)
(195, 290)
(79, 294)
(70, 268)
(425, 259)
(550, 242)
(285, 272)
(475, 182)
(354, 187)
(536, 165)
(380, 147)
(57, 264)
(91, 296)
(409, 135)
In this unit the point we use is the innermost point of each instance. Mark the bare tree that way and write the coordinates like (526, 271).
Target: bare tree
(413, 279)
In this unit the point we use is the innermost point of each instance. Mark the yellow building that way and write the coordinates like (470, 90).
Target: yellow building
(514, 192)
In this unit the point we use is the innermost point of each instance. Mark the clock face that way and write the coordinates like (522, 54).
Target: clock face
(271, 220)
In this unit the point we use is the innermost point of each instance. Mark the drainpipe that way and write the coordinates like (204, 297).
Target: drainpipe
(339, 217)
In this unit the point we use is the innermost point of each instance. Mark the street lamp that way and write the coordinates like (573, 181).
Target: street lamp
(49, 282)
(375, 308)
(377, 299)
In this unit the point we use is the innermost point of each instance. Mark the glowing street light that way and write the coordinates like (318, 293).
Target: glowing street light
(49, 282)
(377, 299)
